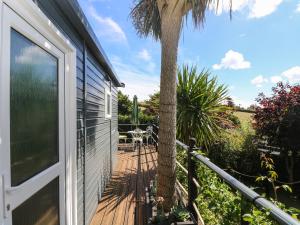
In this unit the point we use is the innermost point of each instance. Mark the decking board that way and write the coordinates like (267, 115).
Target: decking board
(124, 199)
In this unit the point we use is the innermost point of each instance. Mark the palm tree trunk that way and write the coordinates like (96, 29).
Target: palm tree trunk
(170, 28)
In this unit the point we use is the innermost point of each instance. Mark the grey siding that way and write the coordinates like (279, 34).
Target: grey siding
(114, 124)
(96, 136)
(97, 159)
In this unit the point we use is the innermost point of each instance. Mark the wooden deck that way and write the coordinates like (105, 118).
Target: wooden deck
(124, 199)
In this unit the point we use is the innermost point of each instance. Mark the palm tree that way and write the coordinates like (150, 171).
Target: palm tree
(200, 106)
(163, 19)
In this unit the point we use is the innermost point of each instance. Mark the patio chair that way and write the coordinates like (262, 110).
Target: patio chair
(148, 134)
(137, 138)
(123, 137)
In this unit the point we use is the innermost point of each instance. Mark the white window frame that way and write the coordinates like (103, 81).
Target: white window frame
(108, 93)
(33, 16)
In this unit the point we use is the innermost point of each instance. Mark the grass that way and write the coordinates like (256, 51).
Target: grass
(245, 118)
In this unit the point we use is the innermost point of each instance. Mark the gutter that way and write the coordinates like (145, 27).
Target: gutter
(74, 13)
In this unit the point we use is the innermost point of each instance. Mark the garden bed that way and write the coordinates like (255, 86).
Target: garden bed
(179, 215)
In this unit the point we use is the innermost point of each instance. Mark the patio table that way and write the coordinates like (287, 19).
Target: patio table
(137, 137)
(137, 132)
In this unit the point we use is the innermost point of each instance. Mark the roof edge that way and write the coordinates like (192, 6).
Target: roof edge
(76, 15)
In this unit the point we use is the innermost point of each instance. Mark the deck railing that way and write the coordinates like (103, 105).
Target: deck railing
(193, 185)
(247, 194)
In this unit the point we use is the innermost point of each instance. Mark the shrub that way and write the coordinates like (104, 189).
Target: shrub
(124, 104)
(220, 204)
(272, 110)
(236, 149)
(277, 120)
(234, 119)
(146, 119)
(124, 119)
(143, 119)
(217, 203)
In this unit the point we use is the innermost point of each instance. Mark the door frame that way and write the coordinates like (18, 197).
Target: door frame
(30, 12)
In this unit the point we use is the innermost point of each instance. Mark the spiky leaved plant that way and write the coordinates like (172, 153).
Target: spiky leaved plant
(200, 105)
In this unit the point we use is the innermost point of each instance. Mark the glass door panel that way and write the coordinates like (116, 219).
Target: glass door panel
(33, 109)
(44, 204)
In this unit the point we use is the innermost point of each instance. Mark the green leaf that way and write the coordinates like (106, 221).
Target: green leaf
(287, 188)
(260, 178)
(248, 217)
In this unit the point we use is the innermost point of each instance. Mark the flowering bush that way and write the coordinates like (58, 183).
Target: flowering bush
(278, 120)
(272, 113)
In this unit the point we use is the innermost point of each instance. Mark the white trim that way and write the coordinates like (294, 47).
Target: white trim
(2, 203)
(37, 19)
(33, 15)
(107, 115)
(71, 126)
(24, 191)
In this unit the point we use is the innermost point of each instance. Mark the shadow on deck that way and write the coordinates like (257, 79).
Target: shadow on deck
(124, 199)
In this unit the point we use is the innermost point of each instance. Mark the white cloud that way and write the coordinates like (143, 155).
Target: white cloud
(259, 81)
(232, 60)
(107, 27)
(144, 55)
(298, 8)
(137, 82)
(254, 8)
(261, 8)
(292, 74)
(224, 6)
(241, 102)
(276, 79)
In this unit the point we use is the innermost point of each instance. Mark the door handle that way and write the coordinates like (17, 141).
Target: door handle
(2, 188)
(6, 207)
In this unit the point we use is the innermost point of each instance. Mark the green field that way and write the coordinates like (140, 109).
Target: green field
(245, 117)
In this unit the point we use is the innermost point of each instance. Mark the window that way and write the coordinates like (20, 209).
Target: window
(33, 109)
(108, 104)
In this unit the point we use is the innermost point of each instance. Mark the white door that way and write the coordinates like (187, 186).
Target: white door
(32, 162)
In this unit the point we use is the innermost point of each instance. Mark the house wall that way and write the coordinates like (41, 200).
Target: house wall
(114, 123)
(96, 136)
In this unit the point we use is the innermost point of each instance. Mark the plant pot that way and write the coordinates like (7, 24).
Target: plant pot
(150, 199)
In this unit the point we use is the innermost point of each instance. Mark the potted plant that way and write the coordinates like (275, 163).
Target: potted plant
(179, 215)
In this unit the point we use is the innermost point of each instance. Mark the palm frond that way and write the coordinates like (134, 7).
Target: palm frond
(199, 104)
(147, 21)
(146, 18)
(198, 9)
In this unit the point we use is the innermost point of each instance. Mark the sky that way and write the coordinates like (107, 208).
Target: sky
(249, 53)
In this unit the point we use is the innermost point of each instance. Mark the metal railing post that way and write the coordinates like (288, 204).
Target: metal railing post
(244, 209)
(192, 188)
(155, 128)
